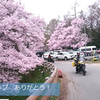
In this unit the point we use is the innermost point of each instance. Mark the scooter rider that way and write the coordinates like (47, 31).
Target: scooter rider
(77, 60)
(49, 57)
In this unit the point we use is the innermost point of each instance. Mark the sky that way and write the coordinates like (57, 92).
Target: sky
(49, 9)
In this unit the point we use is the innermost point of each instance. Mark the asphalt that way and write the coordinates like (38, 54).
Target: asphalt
(77, 86)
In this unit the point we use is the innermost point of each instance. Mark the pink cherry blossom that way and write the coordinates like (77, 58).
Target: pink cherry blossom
(71, 36)
(21, 35)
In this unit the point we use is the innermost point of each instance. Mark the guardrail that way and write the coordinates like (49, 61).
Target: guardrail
(52, 79)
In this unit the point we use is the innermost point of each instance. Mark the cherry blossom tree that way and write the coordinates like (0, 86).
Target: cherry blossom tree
(71, 36)
(21, 35)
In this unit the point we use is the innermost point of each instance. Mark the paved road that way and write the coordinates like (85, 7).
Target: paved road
(81, 87)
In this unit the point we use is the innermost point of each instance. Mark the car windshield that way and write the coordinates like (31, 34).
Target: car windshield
(70, 52)
(65, 53)
(46, 52)
(51, 53)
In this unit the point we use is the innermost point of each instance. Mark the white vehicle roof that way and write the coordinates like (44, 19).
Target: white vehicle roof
(87, 47)
(64, 52)
(46, 52)
(57, 50)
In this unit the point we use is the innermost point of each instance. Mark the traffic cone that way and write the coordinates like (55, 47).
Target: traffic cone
(60, 75)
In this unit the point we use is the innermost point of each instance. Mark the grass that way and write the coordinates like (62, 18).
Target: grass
(36, 76)
(98, 61)
(33, 77)
(93, 61)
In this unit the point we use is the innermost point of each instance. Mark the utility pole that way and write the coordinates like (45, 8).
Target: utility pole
(75, 9)
(85, 37)
(84, 31)
(75, 5)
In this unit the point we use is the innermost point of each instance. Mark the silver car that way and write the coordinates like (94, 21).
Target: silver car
(63, 55)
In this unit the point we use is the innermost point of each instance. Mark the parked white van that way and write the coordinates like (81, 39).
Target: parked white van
(88, 49)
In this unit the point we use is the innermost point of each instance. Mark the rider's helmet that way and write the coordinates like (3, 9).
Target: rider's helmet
(78, 53)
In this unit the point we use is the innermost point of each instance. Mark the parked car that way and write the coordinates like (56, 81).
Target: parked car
(82, 53)
(53, 55)
(46, 54)
(39, 54)
(63, 56)
(75, 53)
(88, 50)
(57, 51)
(72, 54)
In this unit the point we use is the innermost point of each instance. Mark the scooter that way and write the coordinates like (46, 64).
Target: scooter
(80, 66)
(50, 59)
